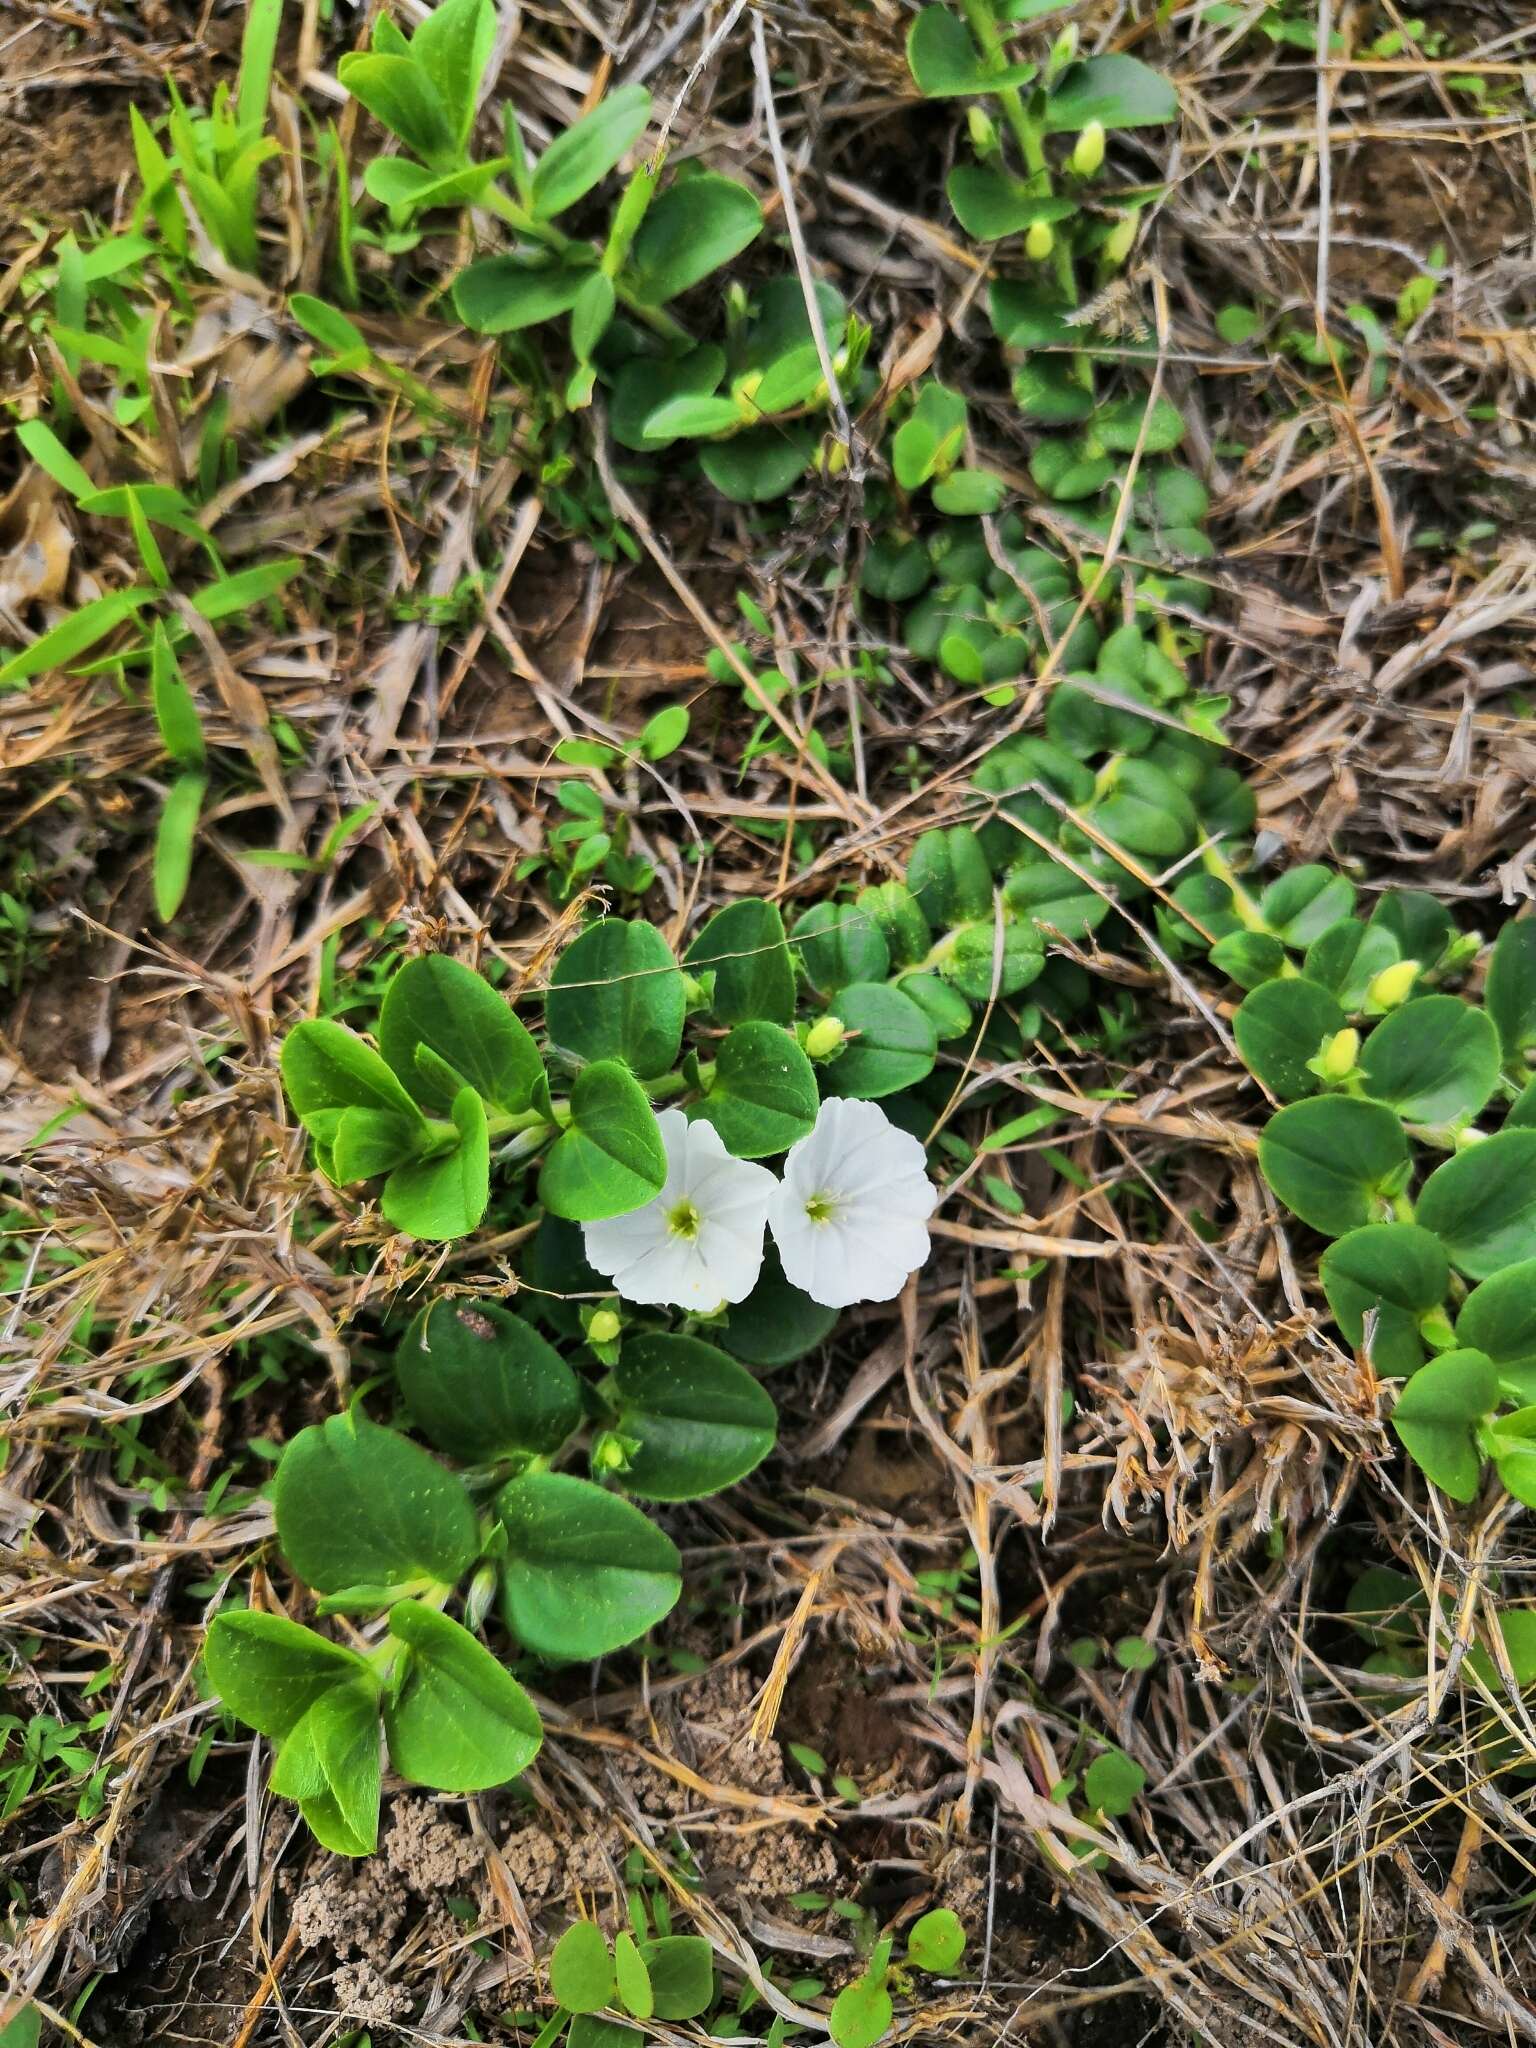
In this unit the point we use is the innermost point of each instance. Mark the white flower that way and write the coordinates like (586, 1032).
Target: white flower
(700, 1241)
(850, 1216)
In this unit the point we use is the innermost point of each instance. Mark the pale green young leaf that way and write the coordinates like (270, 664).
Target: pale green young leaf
(444, 1197)
(588, 150)
(459, 1721)
(73, 635)
(174, 839)
(269, 1671)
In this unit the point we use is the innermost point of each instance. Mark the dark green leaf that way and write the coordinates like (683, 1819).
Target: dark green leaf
(1118, 90)
(763, 1094)
(776, 1324)
(946, 64)
(1298, 907)
(455, 1013)
(329, 1762)
(744, 945)
(328, 1069)
(761, 464)
(701, 1423)
(691, 230)
(840, 944)
(1400, 1271)
(1499, 1318)
(1437, 1416)
(585, 1572)
(503, 294)
(1510, 991)
(1435, 1060)
(1331, 1160)
(616, 994)
(1481, 1204)
(482, 1384)
(1347, 957)
(1281, 1025)
(895, 1045)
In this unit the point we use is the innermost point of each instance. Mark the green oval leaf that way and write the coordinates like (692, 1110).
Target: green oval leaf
(745, 948)
(610, 1158)
(1437, 1415)
(482, 1384)
(1347, 957)
(1482, 1204)
(763, 1094)
(692, 229)
(699, 1421)
(581, 1972)
(444, 1006)
(936, 1941)
(895, 1046)
(634, 1979)
(1118, 90)
(682, 1973)
(404, 99)
(270, 1671)
(754, 467)
(1435, 1060)
(1510, 990)
(327, 1069)
(840, 944)
(585, 1572)
(1332, 1160)
(1499, 1318)
(861, 2014)
(443, 1198)
(946, 64)
(1396, 1269)
(588, 150)
(1300, 906)
(617, 994)
(459, 1721)
(503, 294)
(329, 1763)
(357, 1505)
(1281, 1025)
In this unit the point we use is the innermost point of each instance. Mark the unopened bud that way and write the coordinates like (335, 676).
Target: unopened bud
(1040, 241)
(604, 1327)
(1088, 156)
(824, 1037)
(1063, 50)
(482, 1591)
(983, 132)
(609, 1454)
(1392, 986)
(1120, 240)
(1336, 1060)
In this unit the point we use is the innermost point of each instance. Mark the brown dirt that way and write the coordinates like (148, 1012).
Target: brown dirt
(1392, 196)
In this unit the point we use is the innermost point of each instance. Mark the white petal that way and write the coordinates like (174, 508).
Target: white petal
(733, 1258)
(670, 1275)
(619, 1240)
(810, 1255)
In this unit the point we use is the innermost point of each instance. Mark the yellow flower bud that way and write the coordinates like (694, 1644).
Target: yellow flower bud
(983, 131)
(1040, 241)
(609, 1454)
(1120, 240)
(824, 1037)
(604, 1327)
(1088, 156)
(1339, 1053)
(1392, 986)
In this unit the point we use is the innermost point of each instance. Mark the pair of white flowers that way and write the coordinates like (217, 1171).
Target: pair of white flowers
(849, 1216)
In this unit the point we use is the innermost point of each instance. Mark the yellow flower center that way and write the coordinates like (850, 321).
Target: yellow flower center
(820, 1208)
(683, 1220)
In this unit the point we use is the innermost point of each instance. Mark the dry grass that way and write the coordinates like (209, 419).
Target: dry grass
(1320, 1858)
